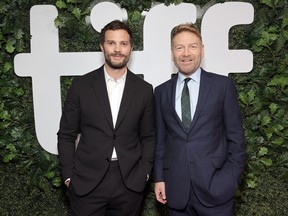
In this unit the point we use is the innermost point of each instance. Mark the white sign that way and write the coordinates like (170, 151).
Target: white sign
(45, 64)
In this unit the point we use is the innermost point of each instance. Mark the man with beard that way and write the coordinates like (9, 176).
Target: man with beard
(113, 110)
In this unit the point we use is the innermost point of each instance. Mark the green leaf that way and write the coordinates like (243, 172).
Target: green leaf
(251, 183)
(42, 184)
(273, 107)
(4, 125)
(285, 35)
(9, 157)
(77, 13)
(285, 21)
(56, 182)
(266, 161)
(269, 135)
(279, 81)
(251, 95)
(263, 151)
(8, 66)
(247, 98)
(283, 158)
(256, 48)
(61, 4)
(265, 120)
(19, 91)
(18, 34)
(4, 115)
(278, 141)
(277, 128)
(268, 38)
(10, 46)
(16, 132)
(260, 140)
(267, 2)
(60, 21)
(11, 147)
(49, 175)
(242, 98)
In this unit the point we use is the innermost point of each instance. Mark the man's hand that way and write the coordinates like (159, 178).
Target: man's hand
(67, 183)
(159, 189)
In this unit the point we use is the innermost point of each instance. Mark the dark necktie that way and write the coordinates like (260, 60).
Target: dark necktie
(185, 105)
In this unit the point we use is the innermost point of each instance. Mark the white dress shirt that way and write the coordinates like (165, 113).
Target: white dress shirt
(115, 90)
(193, 86)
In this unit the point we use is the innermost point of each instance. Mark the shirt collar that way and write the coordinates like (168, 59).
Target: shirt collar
(109, 78)
(195, 76)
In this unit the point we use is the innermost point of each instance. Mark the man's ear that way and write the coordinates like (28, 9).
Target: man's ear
(202, 52)
(101, 47)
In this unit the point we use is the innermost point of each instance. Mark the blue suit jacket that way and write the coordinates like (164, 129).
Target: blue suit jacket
(211, 155)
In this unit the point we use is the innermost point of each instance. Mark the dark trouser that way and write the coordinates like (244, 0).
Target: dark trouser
(110, 198)
(195, 208)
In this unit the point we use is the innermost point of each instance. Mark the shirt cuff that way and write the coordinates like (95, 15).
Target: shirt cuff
(67, 180)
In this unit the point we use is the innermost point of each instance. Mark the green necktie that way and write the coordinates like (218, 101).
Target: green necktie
(185, 105)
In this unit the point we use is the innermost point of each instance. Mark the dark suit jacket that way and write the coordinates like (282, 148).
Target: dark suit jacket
(211, 155)
(87, 112)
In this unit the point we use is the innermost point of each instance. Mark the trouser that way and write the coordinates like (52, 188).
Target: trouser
(110, 198)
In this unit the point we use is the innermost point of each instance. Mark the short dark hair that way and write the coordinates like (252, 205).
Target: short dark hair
(115, 25)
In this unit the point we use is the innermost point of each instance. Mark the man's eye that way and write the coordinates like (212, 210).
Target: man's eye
(194, 46)
(124, 44)
(110, 43)
(178, 48)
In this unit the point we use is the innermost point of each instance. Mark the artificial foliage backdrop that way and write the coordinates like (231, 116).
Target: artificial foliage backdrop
(30, 182)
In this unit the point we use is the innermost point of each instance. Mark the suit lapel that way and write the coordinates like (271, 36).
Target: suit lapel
(205, 85)
(171, 88)
(101, 94)
(127, 97)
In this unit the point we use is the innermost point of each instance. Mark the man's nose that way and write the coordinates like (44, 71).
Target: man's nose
(186, 51)
(117, 47)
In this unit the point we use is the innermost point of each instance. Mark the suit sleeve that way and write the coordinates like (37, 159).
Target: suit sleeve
(148, 133)
(233, 124)
(160, 147)
(68, 132)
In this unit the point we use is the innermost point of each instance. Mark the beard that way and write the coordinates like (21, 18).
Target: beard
(116, 65)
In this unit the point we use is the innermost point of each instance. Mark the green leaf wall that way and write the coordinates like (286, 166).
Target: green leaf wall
(30, 177)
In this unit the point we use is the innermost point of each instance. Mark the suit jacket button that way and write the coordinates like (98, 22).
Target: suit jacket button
(107, 160)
